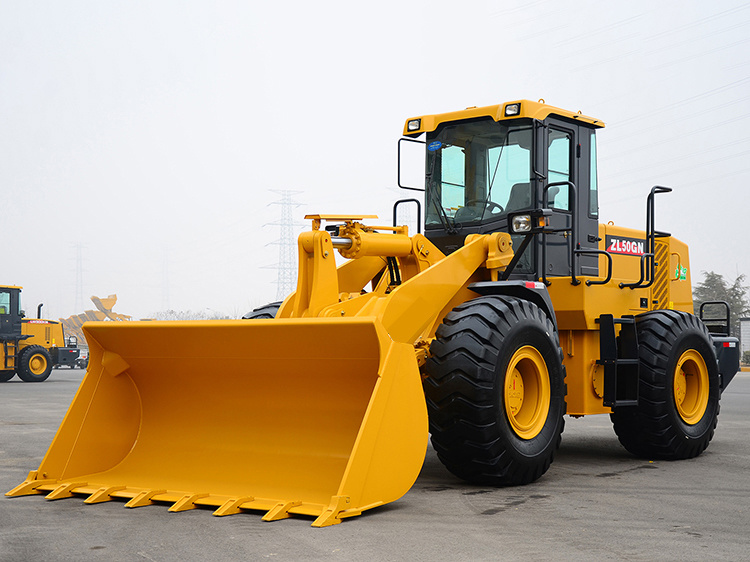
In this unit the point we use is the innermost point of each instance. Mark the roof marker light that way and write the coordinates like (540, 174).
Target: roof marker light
(512, 109)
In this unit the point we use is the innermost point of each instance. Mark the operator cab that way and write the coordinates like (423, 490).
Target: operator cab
(10, 313)
(484, 164)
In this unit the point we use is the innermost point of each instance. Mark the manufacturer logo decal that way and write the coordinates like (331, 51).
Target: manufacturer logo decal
(626, 246)
(37, 322)
(434, 145)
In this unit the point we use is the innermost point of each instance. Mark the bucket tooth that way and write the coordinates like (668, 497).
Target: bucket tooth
(230, 507)
(64, 490)
(144, 498)
(331, 515)
(29, 486)
(103, 494)
(186, 502)
(280, 511)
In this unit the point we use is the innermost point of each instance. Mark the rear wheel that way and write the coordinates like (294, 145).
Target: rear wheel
(5, 376)
(495, 391)
(35, 364)
(264, 312)
(679, 393)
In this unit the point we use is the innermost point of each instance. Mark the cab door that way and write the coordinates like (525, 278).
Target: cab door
(567, 158)
(10, 318)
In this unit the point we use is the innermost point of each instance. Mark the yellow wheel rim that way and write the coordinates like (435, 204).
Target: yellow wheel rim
(37, 364)
(527, 392)
(691, 386)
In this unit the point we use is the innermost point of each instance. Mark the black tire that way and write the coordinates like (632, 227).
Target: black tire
(5, 376)
(35, 364)
(671, 421)
(475, 436)
(267, 311)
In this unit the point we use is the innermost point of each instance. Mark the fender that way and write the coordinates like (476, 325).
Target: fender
(534, 291)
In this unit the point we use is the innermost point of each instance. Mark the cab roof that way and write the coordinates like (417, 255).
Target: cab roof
(526, 109)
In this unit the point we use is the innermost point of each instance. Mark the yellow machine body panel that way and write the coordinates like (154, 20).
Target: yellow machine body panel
(584, 377)
(672, 288)
(522, 109)
(47, 333)
(577, 307)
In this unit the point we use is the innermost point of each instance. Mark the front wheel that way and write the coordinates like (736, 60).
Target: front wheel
(678, 404)
(35, 365)
(5, 376)
(495, 389)
(265, 312)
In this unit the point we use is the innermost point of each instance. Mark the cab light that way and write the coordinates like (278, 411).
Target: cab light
(521, 223)
(512, 109)
(414, 125)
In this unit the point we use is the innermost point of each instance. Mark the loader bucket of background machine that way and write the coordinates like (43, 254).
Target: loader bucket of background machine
(314, 416)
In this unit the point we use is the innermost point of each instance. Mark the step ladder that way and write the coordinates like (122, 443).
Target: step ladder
(619, 356)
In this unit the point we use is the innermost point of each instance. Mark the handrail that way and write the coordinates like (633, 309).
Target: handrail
(726, 322)
(591, 251)
(648, 274)
(419, 212)
(572, 230)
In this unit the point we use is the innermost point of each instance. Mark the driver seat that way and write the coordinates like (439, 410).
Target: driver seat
(520, 197)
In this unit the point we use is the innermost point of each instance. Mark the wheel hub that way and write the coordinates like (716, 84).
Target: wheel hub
(526, 392)
(691, 387)
(37, 364)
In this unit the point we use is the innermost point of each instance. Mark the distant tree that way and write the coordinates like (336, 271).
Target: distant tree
(715, 288)
(189, 315)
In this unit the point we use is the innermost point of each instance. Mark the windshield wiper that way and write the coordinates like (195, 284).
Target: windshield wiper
(494, 175)
(436, 199)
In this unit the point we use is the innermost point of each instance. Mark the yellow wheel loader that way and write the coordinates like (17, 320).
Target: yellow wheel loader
(514, 307)
(30, 347)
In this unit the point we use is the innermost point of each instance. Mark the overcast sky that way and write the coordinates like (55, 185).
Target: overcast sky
(147, 137)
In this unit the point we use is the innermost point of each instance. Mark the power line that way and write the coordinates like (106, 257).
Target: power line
(286, 268)
(78, 306)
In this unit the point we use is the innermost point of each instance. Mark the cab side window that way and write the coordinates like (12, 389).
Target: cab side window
(558, 164)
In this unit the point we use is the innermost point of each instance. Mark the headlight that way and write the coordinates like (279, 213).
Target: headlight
(512, 109)
(414, 125)
(521, 223)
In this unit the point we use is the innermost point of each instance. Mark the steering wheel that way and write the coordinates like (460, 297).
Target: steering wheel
(489, 205)
(474, 209)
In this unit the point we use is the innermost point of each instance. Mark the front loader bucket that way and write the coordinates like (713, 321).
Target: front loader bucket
(320, 417)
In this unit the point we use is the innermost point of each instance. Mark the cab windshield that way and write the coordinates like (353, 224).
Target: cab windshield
(477, 171)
